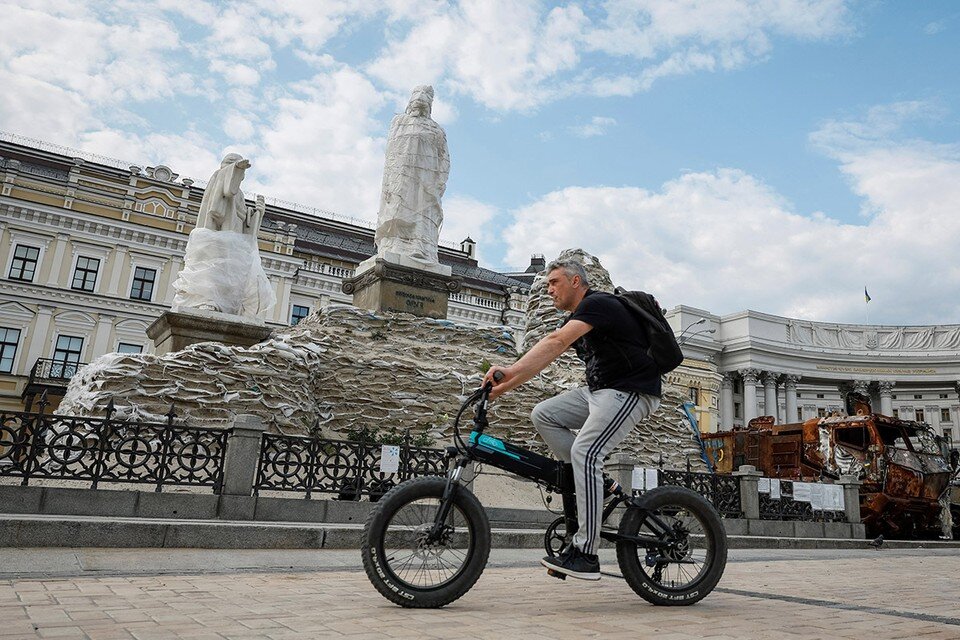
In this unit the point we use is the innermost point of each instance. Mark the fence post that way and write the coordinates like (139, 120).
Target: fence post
(851, 497)
(619, 466)
(243, 455)
(749, 491)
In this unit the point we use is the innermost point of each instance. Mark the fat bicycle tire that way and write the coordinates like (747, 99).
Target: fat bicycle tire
(693, 567)
(402, 567)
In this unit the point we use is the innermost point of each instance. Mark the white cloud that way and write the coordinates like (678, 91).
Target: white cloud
(725, 241)
(514, 56)
(597, 126)
(191, 155)
(467, 217)
(323, 146)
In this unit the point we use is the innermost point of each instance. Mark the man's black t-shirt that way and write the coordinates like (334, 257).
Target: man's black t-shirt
(615, 350)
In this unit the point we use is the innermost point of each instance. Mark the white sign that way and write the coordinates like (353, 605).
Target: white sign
(763, 485)
(775, 488)
(801, 492)
(636, 479)
(389, 458)
(651, 479)
(816, 496)
(643, 479)
(833, 501)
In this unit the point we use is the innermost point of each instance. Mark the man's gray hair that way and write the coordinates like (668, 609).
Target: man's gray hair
(571, 268)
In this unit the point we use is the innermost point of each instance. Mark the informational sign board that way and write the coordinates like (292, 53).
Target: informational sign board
(389, 458)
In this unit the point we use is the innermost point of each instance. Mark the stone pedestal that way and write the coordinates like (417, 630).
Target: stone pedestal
(176, 330)
(385, 286)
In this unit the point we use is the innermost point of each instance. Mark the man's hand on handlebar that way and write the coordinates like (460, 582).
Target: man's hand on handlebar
(500, 378)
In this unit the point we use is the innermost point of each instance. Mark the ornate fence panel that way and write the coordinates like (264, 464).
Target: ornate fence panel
(722, 491)
(786, 508)
(95, 450)
(342, 467)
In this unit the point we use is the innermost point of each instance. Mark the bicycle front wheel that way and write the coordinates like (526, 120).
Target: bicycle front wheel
(409, 566)
(689, 560)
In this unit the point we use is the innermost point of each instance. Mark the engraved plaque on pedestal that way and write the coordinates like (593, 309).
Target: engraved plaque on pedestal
(402, 289)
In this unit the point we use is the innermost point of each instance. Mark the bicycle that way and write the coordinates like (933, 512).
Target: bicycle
(427, 541)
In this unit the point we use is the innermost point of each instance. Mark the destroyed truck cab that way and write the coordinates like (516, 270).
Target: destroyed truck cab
(903, 470)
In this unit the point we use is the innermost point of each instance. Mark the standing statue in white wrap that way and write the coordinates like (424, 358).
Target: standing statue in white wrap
(414, 179)
(222, 270)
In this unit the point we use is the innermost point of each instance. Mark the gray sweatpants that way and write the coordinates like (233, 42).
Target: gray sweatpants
(604, 418)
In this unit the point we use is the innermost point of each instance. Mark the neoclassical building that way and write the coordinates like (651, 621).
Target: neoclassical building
(90, 248)
(797, 369)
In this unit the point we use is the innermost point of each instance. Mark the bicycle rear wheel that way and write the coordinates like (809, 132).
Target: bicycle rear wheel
(690, 563)
(404, 564)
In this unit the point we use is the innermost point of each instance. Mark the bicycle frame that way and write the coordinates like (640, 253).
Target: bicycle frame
(527, 464)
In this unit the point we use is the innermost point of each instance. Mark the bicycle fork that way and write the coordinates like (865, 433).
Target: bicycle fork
(453, 479)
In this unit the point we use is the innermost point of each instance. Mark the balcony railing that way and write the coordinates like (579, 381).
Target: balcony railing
(48, 371)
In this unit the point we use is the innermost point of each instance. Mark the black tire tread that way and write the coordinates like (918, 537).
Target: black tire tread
(371, 547)
(629, 562)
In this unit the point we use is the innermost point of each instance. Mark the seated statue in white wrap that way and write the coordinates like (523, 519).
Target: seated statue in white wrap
(222, 270)
(414, 179)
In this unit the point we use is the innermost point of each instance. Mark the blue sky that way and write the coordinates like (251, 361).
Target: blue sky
(775, 155)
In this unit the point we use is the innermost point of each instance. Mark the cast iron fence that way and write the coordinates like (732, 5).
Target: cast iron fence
(722, 491)
(786, 508)
(342, 467)
(35, 445)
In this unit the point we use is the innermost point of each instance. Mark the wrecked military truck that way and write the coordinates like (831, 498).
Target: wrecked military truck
(901, 464)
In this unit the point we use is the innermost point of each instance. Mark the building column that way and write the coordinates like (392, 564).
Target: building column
(116, 268)
(59, 246)
(886, 397)
(726, 401)
(101, 336)
(750, 377)
(770, 405)
(172, 269)
(790, 396)
(38, 339)
(862, 387)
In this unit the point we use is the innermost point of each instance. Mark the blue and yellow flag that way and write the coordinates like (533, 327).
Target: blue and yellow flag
(866, 295)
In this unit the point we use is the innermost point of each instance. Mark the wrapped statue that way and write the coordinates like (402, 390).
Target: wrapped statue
(222, 269)
(414, 179)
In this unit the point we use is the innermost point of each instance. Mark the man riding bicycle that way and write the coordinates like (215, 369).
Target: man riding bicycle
(623, 388)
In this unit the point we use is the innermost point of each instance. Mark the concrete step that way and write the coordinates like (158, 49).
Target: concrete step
(22, 531)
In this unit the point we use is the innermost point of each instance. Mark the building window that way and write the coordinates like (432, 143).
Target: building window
(918, 396)
(694, 394)
(943, 396)
(948, 438)
(738, 386)
(920, 416)
(299, 313)
(821, 412)
(24, 265)
(85, 275)
(129, 347)
(799, 414)
(820, 396)
(944, 415)
(66, 357)
(896, 413)
(736, 410)
(9, 338)
(143, 280)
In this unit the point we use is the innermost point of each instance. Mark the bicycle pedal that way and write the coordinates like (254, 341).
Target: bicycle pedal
(556, 574)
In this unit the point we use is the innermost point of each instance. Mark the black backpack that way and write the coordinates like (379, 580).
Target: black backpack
(647, 312)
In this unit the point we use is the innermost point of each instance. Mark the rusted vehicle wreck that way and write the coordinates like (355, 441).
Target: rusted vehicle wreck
(902, 466)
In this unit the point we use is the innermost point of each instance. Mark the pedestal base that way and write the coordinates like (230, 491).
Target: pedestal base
(176, 330)
(385, 286)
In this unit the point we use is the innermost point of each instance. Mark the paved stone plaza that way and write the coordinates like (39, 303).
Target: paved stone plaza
(112, 594)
